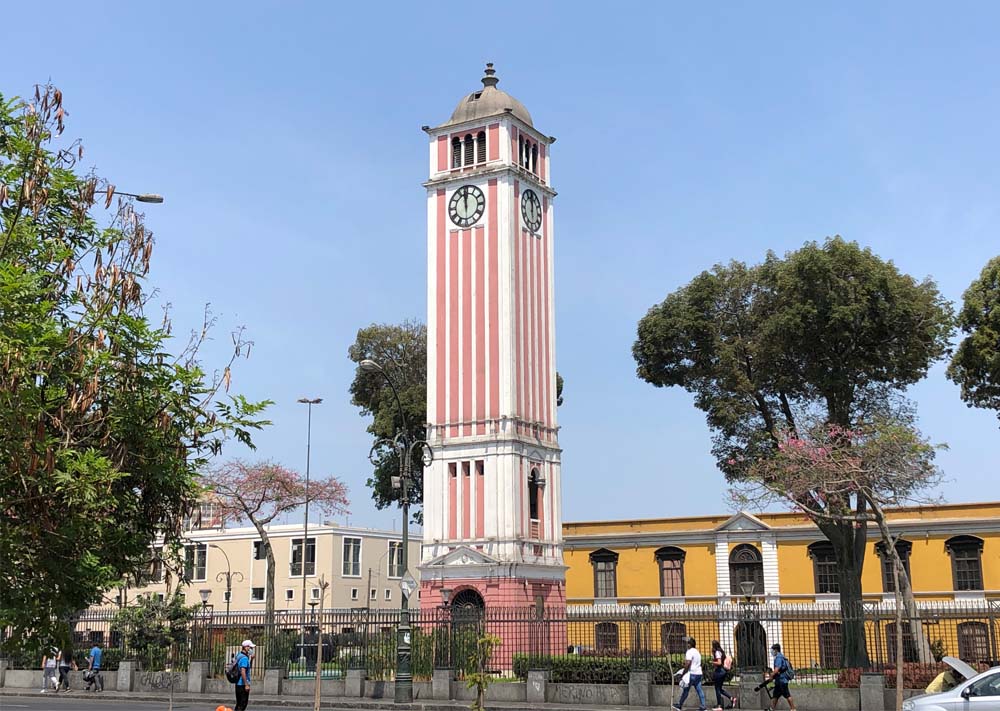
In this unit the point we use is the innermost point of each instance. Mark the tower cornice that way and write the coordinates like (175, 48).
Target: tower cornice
(489, 172)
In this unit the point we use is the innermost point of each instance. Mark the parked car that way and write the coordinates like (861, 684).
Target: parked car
(977, 692)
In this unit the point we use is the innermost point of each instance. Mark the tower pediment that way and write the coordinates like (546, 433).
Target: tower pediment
(463, 555)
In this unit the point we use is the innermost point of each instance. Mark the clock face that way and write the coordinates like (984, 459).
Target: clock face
(466, 206)
(531, 210)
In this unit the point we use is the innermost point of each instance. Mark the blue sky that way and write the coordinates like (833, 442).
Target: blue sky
(285, 137)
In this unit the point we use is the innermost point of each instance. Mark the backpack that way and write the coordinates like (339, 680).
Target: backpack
(788, 671)
(727, 663)
(233, 669)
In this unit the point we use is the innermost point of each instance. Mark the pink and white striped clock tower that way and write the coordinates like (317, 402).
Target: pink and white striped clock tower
(492, 505)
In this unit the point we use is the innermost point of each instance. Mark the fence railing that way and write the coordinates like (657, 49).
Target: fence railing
(577, 644)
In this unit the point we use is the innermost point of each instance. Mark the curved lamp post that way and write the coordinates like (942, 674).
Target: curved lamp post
(228, 575)
(405, 448)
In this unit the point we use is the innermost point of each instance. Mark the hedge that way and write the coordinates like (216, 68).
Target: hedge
(581, 669)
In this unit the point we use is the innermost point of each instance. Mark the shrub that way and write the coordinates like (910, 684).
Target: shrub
(581, 669)
(915, 676)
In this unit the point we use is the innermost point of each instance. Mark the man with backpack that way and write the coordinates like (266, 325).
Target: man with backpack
(239, 673)
(781, 674)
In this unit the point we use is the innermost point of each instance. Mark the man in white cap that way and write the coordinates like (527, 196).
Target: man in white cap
(243, 684)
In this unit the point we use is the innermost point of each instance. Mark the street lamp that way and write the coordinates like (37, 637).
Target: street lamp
(308, 402)
(205, 594)
(141, 197)
(404, 447)
(229, 574)
(444, 641)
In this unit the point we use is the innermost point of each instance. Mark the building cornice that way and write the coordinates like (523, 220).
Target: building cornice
(912, 530)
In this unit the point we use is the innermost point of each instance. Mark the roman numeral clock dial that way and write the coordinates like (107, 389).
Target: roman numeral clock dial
(531, 210)
(466, 206)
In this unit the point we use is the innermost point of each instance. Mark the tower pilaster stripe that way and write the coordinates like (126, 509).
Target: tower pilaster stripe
(454, 363)
(467, 336)
(493, 141)
(441, 301)
(541, 161)
(546, 330)
(494, 363)
(481, 326)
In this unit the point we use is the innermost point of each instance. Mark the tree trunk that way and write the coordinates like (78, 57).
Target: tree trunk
(849, 546)
(269, 590)
(904, 591)
(896, 570)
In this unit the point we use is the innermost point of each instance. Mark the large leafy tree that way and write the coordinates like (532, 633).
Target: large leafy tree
(401, 349)
(976, 363)
(260, 492)
(102, 430)
(829, 331)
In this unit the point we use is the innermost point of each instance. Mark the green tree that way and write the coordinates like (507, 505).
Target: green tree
(976, 363)
(102, 431)
(402, 351)
(154, 629)
(829, 331)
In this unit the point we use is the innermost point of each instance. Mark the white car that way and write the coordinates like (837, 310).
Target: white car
(978, 692)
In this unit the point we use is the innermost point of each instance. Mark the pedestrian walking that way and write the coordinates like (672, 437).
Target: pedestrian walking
(94, 667)
(49, 669)
(66, 665)
(721, 665)
(243, 662)
(781, 674)
(692, 674)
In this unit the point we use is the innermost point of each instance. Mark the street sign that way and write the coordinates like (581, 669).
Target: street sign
(407, 584)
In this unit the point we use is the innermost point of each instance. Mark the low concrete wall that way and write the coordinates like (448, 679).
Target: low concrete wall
(32, 679)
(606, 694)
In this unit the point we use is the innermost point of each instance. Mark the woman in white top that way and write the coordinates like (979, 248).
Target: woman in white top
(692, 668)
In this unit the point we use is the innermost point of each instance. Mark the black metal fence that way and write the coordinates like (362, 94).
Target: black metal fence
(576, 644)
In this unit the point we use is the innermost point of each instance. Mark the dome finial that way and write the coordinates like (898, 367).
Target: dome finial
(490, 79)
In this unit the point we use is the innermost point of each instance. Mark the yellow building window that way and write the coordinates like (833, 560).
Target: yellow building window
(670, 561)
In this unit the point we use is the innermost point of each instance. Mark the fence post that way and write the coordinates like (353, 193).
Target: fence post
(872, 690)
(126, 672)
(354, 685)
(538, 679)
(4, 663)
(197, 673)
(638, 687)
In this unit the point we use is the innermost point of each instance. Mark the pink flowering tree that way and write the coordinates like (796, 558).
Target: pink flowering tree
(260, 492)
(824, 469)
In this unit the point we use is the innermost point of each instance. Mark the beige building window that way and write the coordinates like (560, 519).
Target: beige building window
(354, 593)
(395, 559)
(195, 560)
(352, 557)
(256, 594)
(295, 569)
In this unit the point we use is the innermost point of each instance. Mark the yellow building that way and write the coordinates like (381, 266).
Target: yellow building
(951, 552)
(750, 580)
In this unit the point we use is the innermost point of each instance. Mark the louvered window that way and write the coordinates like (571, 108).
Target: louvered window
(456, 152)
(966, 562)
(746, 564)
(469, 149)
(481, 147)
(824, 567)
(520, 150)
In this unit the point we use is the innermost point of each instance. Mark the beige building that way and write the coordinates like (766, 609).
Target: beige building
(362, 565)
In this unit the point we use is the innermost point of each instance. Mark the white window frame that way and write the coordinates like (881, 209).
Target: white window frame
(253, 551)
(305, 551)
(343, 556)
(399, 563)
(263, 595)
(388, 594)
(373, 594)
(198, 548)
(289, 594)
(354, 593)
(314, 593)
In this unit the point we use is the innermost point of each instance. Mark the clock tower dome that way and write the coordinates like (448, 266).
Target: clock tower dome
(492, 506)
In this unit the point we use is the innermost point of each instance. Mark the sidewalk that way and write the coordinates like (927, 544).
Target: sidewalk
(210, 701)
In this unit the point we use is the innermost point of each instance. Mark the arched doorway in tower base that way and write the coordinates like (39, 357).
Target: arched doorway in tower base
(751, 645)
